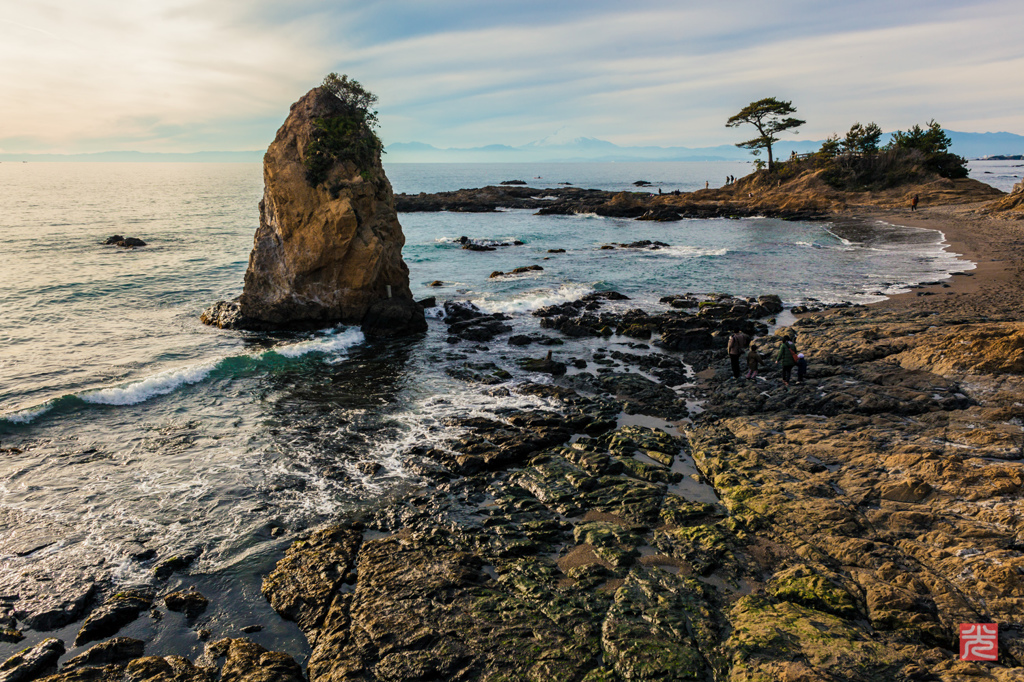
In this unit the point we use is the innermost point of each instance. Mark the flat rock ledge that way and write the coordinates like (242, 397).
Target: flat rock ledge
(841, 528)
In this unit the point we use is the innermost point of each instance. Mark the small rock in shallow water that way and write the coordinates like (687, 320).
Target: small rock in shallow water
(191, 603)
(167, 567)
(10, 635)
(124, 242)
(369, 468)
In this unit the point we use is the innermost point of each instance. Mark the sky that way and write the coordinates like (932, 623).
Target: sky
(184, 76)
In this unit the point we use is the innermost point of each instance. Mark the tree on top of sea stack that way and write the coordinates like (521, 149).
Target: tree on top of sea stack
(328, 248)
(770, 116)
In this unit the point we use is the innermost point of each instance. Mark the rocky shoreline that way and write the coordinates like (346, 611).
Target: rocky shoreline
(574, 200)
(661, 520)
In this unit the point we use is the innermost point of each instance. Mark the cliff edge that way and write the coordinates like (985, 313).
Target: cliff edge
(329, 245)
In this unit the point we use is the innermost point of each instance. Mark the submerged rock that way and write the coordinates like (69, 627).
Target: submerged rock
(329, 245)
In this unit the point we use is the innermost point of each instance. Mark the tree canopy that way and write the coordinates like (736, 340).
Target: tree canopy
(770, 116)
(352, 93)
(862, 139)
(930, 140)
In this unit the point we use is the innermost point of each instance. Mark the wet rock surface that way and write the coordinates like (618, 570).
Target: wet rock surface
(32, 663)
(855, 520)
(119, 610)
(228, 660)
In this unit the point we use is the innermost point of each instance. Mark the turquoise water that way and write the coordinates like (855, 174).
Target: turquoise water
(135, 424)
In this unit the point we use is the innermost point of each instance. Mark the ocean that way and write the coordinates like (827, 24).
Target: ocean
(125, 423)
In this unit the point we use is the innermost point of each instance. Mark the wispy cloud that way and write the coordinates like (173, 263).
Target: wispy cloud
(182, 75)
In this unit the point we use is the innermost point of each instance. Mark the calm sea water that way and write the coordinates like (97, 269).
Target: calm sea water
(126, 421)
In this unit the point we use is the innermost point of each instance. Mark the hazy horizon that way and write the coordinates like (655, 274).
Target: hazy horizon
(549, 150)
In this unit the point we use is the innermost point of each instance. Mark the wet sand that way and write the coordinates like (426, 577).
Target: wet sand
(994, 289)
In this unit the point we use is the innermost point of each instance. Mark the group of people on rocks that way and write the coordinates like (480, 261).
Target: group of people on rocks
(787, 357)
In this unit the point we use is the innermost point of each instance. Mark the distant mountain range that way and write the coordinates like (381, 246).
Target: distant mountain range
(556, 150)
(553, 149)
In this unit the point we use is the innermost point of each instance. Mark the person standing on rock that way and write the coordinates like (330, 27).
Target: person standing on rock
(737, 343)
(801, 368)
(753, 361)
(787, 358)
(913, 203)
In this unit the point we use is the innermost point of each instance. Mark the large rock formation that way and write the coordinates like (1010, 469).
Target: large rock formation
(329, 245)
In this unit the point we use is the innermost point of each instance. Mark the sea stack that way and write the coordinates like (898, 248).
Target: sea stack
(329, 246)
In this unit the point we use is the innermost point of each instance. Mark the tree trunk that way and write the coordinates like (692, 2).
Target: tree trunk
(770, 163)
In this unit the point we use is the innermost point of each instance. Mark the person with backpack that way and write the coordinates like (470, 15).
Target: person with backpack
(787, 358)
(737, 343)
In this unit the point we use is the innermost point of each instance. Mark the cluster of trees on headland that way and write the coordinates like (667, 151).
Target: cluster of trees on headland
(856, 161)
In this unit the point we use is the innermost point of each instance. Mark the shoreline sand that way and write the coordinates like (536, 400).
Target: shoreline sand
(995, 287)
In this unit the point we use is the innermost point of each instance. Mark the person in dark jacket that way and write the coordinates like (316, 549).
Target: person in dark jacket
(787, 358)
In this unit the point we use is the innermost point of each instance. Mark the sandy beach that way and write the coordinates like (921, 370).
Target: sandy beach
(995, 288)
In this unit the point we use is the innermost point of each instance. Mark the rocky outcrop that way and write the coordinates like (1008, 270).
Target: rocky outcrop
(329, 245)
(804, 196)
(1012, 204)
(841, 528)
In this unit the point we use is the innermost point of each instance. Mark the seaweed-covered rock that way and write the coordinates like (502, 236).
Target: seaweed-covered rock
(116, 612)
(33, 662)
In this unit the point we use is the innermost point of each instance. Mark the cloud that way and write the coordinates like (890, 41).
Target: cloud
(182, 75)
(110, 70)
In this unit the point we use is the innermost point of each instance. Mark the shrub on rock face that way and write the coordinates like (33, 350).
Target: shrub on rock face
(347, 133)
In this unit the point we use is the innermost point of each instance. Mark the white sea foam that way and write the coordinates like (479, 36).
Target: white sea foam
(331, 343)
(28, 414)
(158, 384)
(168, 381)
(532, 300)
(688, 251)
